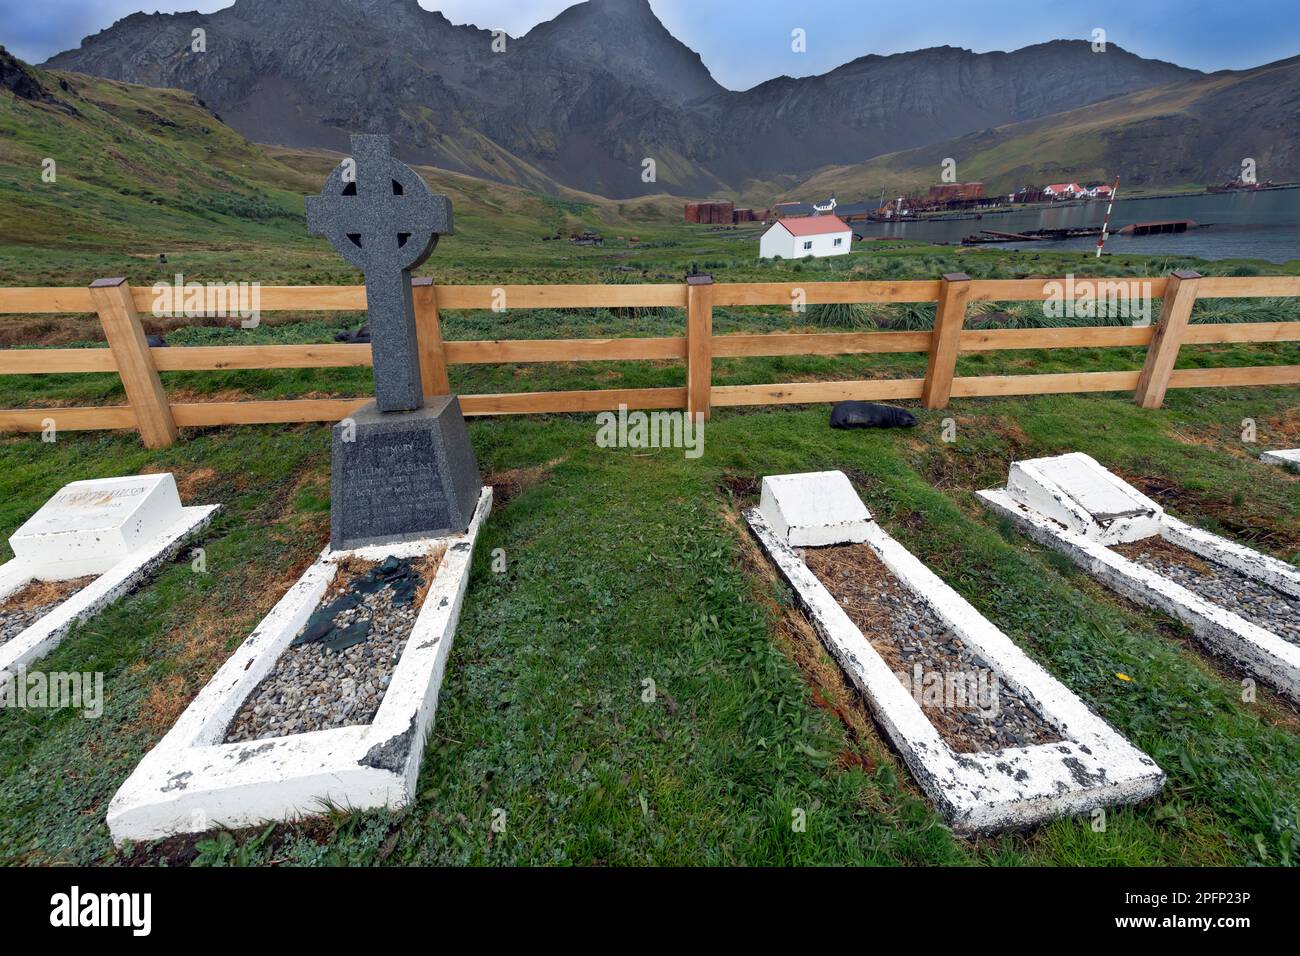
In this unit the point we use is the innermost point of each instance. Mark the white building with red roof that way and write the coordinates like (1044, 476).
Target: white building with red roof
(1063, 190)
(806, 236)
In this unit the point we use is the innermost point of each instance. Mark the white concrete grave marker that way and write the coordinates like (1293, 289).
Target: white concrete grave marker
(1288, 458)
(1081, 495)
(814, 509)
(1089, 766)
(1074, 505)
(91, 525)
(118, 530)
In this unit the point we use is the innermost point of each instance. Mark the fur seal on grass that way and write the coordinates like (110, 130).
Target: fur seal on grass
(359, 336)
(869, 415)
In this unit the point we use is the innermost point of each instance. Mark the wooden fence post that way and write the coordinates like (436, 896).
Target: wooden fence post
(699, 344)
(945, 340)
(1175, 312)
(428, 330)
(126, 340)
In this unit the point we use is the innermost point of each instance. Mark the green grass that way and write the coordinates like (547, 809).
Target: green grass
(622, 567)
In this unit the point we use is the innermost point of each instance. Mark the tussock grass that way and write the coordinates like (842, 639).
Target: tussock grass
(840, 315)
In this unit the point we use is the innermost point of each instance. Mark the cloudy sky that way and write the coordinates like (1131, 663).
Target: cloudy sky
(747, 41)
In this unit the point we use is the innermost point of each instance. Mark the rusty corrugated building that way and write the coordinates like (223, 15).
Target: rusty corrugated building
(711, 213)
(950, 192)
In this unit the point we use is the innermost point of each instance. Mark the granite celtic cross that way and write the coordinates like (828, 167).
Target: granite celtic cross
(379, 215)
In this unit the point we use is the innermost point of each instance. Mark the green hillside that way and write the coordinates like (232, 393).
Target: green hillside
(1186, 134)
(142, 171)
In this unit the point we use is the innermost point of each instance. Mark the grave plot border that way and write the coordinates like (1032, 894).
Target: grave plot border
(191, 781)
(1288, 458)
(45, 635)
(1016, 787)
(1223, 633)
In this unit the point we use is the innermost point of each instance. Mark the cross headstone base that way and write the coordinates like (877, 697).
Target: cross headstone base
(400, 476)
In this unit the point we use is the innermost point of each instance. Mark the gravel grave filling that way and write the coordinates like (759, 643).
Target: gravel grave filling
(907, 633)
(33, 601)
(337, 668)
(1231, 590)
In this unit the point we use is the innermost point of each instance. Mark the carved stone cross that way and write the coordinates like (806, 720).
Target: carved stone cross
(382, 217)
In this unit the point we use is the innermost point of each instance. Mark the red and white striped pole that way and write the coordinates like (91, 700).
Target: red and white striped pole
(1105, 225)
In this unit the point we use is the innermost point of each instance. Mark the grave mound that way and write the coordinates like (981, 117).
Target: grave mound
(336, 669)
(1240, 604)
(907, 634)
(1027, 750)
(33, 601)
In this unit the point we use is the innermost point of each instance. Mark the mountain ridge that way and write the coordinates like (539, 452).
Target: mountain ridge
(1192, 133)
(585, 98)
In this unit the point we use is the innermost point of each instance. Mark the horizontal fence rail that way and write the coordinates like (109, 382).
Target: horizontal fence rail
(119, 307)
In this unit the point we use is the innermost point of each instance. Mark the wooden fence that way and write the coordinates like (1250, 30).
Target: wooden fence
(119, 306)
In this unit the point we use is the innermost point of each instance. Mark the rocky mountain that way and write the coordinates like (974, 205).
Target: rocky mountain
(625, 37)
(879, 104)
(1191, 133)
(583, 99)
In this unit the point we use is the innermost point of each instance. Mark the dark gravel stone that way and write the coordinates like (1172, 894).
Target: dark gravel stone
(337, 669)
(908, 634)
(1231, 590)
(14, 618)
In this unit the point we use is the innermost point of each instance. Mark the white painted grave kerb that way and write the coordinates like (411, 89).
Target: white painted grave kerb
(1047, 502)
(191, 781)
(120, 529)
(1288, 458)
(1091, 766)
